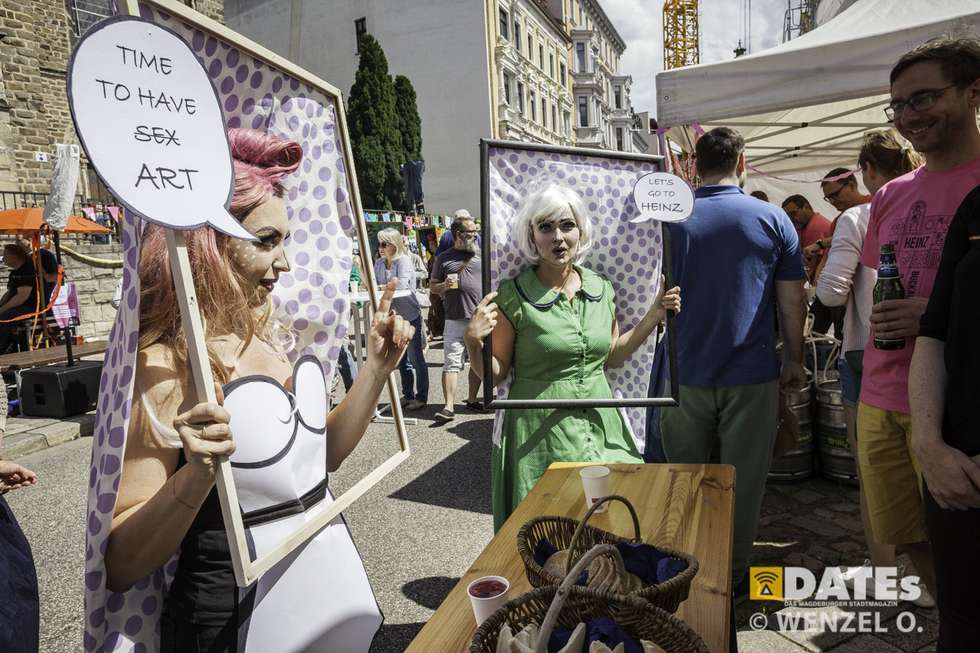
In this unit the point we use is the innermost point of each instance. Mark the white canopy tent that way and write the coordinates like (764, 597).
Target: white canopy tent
(802, 106)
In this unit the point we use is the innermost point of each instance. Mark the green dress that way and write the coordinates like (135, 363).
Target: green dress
(560, 350)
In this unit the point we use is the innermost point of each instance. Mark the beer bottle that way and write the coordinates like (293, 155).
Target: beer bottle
(889, 286)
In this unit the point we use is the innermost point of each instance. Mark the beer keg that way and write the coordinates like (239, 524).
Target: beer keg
(836, 459)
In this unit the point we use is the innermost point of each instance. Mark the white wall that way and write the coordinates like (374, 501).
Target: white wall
(440, 45)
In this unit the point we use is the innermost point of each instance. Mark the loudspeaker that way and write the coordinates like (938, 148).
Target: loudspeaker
(60, 391)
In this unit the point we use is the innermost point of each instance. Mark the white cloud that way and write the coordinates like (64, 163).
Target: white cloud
(640, 23)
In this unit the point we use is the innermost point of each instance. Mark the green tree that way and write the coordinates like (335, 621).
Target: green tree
(373, 124)
(409, 122)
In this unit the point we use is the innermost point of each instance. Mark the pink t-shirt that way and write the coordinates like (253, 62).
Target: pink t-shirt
(913, 212)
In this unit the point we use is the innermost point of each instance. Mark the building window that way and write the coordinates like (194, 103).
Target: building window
(566, 121)
(583, 111)
(520, 98)
(541, 56)
(360, 29)
(564, 73)
(530, 45)
(544, 113)
(508, 80)
(618, 97)
(517, 33)
(619, 139)
(554, 118)
(551, 65)
(504, 24)
(86, 13)
(534, 107)
(580, 57)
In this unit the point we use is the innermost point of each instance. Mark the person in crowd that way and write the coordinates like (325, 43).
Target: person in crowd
(21, 298)
(457, 278)
(435, 321)
(843, 281)
(20, 616)
(935, 92)
(810, 225)
(49, 266)
(738, 260)
(557, 334)
(170, 491)
(396, 265)
(841, 191)
(944, 384)
(448, 237)
(760, 195)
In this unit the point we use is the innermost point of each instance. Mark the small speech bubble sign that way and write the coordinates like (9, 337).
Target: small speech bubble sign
(149, 118)
(662, 196)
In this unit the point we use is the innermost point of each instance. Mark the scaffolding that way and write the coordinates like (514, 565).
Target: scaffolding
(800, 18)
(681, 33)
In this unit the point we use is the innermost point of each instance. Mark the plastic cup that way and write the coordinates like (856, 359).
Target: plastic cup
(453, 279)
(595, 482)
(486, 597)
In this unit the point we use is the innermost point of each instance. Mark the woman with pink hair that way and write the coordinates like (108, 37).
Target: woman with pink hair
(167, 503)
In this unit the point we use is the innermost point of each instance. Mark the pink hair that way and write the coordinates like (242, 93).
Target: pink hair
(260, 161)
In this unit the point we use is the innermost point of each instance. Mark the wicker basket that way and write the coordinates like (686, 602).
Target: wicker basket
(578, 537)
(570, 604)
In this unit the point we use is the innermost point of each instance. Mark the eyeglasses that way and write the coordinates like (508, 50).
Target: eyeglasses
(470, 234)
(832, 197)
(918, 102)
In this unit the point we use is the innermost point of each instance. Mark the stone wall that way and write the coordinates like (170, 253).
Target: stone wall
(38, 36)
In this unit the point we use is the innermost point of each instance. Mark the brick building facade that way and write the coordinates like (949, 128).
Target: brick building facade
(36, 39)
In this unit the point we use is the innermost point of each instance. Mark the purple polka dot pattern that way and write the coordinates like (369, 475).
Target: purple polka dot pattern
(255, 95)
(627, 254)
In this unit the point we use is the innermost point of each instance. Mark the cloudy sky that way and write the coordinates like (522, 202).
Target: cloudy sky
(639, 22)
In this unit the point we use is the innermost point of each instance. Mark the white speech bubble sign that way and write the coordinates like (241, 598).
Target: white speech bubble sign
(662, 196)
(150, 120)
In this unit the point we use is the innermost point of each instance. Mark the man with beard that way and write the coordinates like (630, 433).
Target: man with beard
(935, 92)
(457, 278)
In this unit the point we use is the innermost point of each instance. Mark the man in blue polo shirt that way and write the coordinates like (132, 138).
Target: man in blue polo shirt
(737, 259)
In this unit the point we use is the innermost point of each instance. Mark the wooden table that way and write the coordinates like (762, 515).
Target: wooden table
(684, 507)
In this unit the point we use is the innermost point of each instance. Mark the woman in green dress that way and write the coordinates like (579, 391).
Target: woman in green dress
(558, 335)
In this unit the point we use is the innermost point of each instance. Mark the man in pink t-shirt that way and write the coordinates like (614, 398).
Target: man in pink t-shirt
(933, 105)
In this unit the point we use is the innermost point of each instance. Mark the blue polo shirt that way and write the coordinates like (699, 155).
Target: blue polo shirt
(726, 258)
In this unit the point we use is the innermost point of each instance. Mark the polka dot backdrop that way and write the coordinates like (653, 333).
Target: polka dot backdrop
(627, 254)
(311, 300)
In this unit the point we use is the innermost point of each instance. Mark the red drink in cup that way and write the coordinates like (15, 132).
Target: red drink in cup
(487, 594)
(487, 589)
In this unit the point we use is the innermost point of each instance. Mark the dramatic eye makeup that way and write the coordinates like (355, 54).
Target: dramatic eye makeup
(566, 225)
(269, 237)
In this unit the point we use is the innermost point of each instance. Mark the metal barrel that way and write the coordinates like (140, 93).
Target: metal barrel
(797, 464)
(836, 459)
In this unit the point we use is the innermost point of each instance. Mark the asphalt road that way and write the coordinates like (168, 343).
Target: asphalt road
(418, 530)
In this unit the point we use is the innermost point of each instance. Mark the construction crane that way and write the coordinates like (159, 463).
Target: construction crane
(681, 33)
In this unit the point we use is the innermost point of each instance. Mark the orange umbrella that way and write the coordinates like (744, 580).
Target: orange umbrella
(23, 221)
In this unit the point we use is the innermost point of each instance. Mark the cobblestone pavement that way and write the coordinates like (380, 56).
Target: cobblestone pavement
(423, 525)
(816, 524)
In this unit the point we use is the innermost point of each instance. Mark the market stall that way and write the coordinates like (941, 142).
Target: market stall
(803, 106)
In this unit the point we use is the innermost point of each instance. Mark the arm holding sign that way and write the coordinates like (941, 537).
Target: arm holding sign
(390, 335)
(623, 345)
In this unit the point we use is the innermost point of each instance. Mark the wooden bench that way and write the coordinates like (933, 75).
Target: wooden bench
(49, 355)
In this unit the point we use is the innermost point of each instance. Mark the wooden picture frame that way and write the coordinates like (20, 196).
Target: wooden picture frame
(247, 571)
(486, 234)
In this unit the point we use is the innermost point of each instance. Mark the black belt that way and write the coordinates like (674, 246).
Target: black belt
(286, 508)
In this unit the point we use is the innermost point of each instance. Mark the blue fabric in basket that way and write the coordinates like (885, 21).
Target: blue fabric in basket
(651, 565)
(600, 629)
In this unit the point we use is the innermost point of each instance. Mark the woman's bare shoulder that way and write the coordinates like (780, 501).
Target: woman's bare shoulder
(160, 384)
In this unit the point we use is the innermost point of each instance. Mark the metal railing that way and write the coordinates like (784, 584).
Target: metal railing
(26, 200)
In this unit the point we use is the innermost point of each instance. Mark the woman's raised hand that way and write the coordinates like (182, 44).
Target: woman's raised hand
(206, 435)
(667, 300)
(484, 319)
(390, 334)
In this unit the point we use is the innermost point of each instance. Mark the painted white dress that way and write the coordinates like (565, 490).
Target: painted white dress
(318, 599)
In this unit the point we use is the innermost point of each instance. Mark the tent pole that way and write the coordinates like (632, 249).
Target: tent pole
(814, 123)
(66, 331)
